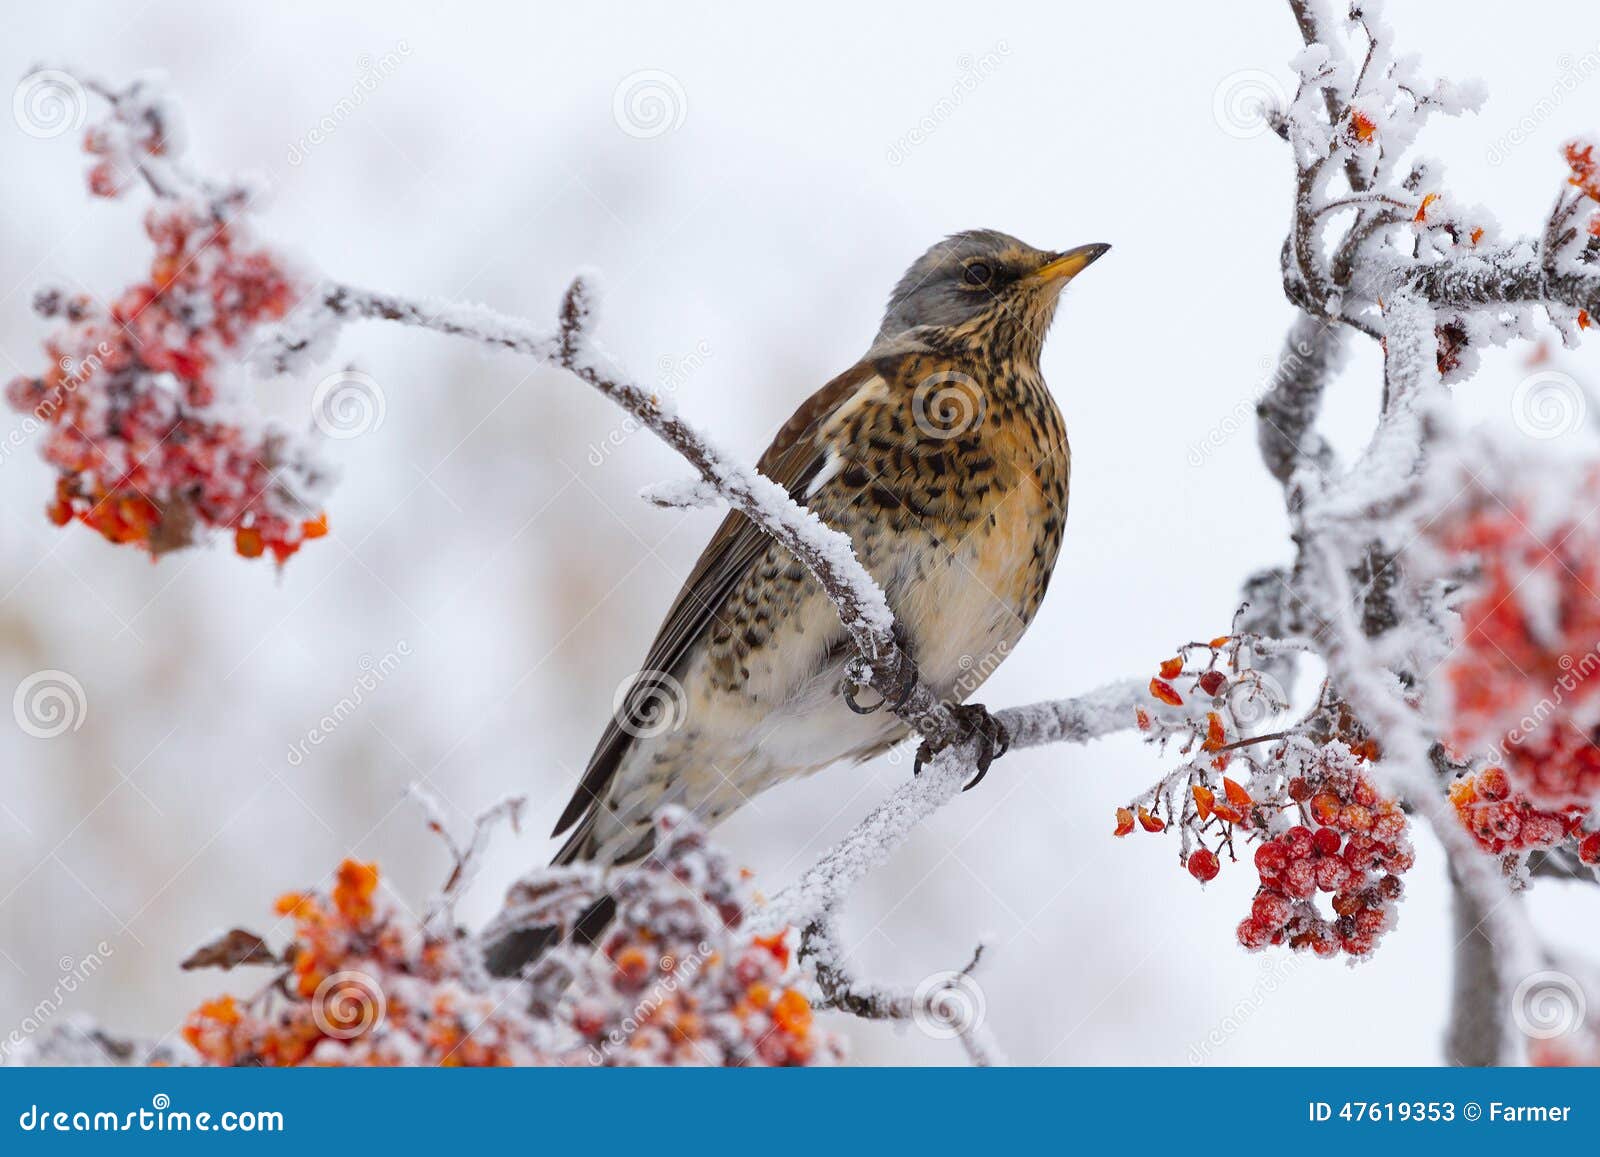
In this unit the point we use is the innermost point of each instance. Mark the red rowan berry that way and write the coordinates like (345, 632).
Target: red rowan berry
(1204, 865)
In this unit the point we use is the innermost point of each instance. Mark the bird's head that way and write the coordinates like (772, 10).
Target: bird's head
(985, 286)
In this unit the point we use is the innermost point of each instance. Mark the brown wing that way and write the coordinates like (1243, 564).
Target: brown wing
(792, 461)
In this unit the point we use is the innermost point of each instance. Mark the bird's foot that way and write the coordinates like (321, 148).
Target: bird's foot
(896, 695)
(972, 719)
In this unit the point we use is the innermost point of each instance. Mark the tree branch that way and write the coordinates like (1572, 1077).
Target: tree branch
(1503, 277)
(1477, 1025)
(1287, 412)
(826, 553)
(944, 1004)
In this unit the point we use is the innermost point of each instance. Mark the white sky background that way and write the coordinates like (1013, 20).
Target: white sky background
(526, 581)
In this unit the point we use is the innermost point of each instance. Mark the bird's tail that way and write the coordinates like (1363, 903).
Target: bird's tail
(513, 952)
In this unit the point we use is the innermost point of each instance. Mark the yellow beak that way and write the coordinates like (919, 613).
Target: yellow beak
(1067, 265)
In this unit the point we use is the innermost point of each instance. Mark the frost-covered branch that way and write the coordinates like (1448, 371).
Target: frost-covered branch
(825, 886)
(948, 1003)
(1375, 244)
(826, 553)
(1510, 276)
(1287, 412)
(1431, 280)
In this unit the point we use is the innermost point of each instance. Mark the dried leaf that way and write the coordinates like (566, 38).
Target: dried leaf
(236, 947)
(1165, 692)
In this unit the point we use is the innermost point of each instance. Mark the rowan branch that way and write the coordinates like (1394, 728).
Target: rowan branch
(1399, 274)
(1505, 277)
(826, 553)
(944, 1004)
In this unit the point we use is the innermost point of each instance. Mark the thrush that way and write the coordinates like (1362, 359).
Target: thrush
(943, 456)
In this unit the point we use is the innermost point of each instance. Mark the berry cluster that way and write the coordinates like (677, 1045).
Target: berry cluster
(1207, 700)
(675, 981)
(362, 986)
(1523, 684)
(1504, 822)
(1305, 798)
(685, 985)
(152, 439)
(1351, 843)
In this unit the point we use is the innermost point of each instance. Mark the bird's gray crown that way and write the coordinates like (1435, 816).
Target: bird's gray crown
(957, 279)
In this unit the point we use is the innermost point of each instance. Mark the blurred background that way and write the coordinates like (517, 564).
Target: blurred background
(750, 186)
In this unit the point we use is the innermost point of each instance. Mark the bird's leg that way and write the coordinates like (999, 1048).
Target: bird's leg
(905, 675)
(972, 719)
(897, 694)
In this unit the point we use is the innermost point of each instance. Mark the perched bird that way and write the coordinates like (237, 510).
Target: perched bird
(943, 456)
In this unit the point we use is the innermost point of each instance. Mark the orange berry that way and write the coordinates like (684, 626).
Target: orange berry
(633, 964)
(777, 944)
(353, 889)
(792, 1013)
(1325, 807)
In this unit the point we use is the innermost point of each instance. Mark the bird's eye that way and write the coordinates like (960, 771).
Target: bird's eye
(977, 273)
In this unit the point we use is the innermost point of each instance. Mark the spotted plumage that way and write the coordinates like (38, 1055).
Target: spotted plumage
(944, 457)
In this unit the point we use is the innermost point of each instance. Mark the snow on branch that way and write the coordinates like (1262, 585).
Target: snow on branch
(825, 552)
(1431, 279)
(1396, 582)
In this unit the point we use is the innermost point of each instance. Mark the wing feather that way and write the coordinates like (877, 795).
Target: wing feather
(795, 457)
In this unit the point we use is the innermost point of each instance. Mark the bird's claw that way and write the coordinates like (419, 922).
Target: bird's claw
(898, 693)
(972, 719)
